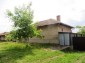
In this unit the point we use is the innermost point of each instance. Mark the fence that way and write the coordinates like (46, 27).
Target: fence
(79, 43)
(66, 38)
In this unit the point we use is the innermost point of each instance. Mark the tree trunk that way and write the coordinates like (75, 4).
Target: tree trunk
(26, 42)
(20, 40)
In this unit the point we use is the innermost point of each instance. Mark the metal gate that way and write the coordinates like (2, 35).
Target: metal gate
(79, 43)
(64, 39)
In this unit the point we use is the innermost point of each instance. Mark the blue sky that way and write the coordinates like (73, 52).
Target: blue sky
(72, 11)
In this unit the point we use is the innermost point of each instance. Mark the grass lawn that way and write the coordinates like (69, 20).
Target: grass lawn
(11, 52)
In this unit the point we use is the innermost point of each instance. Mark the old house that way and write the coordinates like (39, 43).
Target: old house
(50, 30)
(2, 36)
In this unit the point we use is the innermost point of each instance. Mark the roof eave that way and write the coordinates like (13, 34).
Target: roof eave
(66, 25)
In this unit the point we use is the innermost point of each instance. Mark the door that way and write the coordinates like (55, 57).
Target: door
(67, 41)
(64, 39)
(61, 39)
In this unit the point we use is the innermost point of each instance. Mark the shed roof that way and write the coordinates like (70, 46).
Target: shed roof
(3, 33)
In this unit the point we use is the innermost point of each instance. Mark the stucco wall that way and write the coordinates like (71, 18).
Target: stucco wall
(50, 34)
(62, 28)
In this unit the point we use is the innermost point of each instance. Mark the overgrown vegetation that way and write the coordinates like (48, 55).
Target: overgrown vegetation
(81, 29)
(22, 17)
(11, 52)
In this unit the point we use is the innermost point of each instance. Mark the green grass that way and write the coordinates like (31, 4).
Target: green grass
(11, 52)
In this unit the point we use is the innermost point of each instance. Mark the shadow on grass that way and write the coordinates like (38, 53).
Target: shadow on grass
(12, 54)
(42, 45)
(68, 50)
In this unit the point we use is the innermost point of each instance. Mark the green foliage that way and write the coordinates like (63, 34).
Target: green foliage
(23, 19)
(81, 29)
(11, 36)
(8, 37)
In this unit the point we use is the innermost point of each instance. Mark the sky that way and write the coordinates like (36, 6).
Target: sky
(72, 12)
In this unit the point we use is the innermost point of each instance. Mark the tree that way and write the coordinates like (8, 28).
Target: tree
(81, 29)
(11, 36)
(22, 17)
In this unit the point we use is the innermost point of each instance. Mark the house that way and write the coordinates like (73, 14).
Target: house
(2, 36)
(50, 30)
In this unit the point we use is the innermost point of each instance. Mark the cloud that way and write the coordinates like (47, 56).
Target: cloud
(72, 11)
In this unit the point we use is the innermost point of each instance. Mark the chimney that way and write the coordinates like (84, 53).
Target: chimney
(58, 18)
